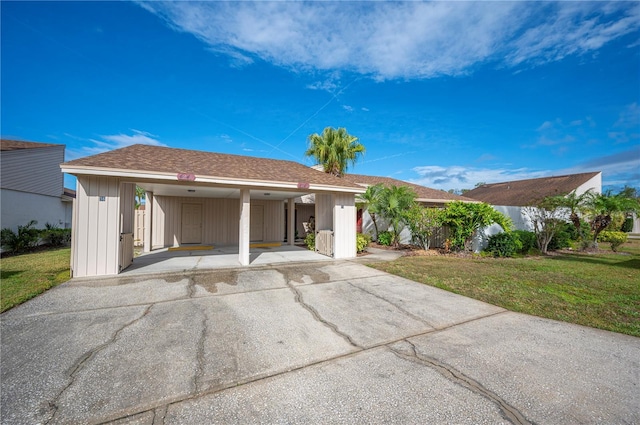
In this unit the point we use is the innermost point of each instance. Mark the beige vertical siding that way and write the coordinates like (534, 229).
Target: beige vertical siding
(220, 220)
(344, 225)
(138, 227)
(33, 170)
(96, 244)
(127, 207)
(324, 212)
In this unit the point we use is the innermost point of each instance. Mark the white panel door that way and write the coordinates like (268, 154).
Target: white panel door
(256, 232)
(191, 223)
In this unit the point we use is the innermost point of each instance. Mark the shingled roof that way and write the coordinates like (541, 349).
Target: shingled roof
(425, 194)
(13, 145)
(521, 193)
(164, 160)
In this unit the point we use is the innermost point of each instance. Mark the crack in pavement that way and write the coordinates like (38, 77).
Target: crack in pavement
(298, 299)
(84, 359)
(159, 413)
(200, 352)
(509, 412)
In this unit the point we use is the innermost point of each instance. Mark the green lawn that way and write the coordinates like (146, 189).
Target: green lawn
(598, 290)
(22, 277)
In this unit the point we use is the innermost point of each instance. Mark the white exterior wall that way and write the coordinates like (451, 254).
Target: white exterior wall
(97, 223)
(594, 183)
(219, 220)
(18, 208)
(344, 225)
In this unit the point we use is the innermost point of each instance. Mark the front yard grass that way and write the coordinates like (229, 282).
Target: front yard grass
(598, 290)
(22, 277)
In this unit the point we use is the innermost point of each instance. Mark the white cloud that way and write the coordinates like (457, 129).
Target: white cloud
(347, 108)
(460, 177)
(117, 141)
(389, 40)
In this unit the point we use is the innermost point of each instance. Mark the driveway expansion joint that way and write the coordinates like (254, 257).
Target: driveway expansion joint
(85, 358)
(509, 412)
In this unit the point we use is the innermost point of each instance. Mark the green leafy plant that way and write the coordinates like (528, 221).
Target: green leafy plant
(527, 240)
(562, 238)
(362, 242)
(385, 238)
(615, 239)
(423, 223)
(53, 236)
(370, 200)
(627, 226)
(310, 241)
(395, 201)
(24, 240)
(335, 149)
(465, 219)
(504, 244)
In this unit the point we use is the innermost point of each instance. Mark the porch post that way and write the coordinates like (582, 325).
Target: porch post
(291, 221)
(148, 211)
(243, 239)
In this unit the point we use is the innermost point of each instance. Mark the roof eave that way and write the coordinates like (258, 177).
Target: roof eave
(165, 176)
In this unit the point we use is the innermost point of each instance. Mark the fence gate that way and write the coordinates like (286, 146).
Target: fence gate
(324, 242)
(126, 250)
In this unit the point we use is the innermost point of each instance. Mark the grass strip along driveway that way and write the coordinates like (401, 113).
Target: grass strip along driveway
(598, 290)
(22, 277)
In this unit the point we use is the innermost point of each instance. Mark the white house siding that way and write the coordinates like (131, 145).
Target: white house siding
(219, 220)
(594, 183)
(96, 236)
(18, 208)
(344, 225)
(324, 212)
(34, 170)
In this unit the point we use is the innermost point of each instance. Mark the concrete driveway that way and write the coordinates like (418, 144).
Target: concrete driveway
(324, 342)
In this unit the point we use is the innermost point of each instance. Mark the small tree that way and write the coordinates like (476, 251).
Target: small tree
(602, 207)
(576, 204)
(423, 224)
(370, 200)
(394, 202)
(465, 219)
(547, 219)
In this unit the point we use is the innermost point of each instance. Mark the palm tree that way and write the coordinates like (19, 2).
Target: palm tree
(602, 206)
(335, 150)
(139, 197)
(576, 204)
(371, 201)
(394, 202)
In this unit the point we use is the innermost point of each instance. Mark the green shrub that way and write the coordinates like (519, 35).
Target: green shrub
(562, 238)
(362, 241)
(310, 241)
(385, 238)
(615, 239)
(26, 239)
(527, 240)
(504, 244)
(627, 226)
(54, 236)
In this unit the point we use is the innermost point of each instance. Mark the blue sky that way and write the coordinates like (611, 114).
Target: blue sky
(444, 94)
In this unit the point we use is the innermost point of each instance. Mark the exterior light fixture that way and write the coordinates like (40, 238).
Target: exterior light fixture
(267, 194)
(191, 190)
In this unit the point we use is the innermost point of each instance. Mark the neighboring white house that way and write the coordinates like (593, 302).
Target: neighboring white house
(195, 197)
(32, 185)
(511, 198)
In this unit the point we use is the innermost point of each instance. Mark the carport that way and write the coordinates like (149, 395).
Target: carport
(197, 198)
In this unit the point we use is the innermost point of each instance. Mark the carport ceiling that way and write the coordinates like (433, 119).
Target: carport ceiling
(196, 191)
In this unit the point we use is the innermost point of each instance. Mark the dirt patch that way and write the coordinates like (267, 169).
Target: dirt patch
(209, 281)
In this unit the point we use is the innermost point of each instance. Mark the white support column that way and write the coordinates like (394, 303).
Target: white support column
(244, 227)
(291, 221)
(344, 226)
(148, 211)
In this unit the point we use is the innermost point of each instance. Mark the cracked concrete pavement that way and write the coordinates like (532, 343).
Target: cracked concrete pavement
(331, 342)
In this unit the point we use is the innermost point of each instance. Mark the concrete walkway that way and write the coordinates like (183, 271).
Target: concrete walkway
(319, 342)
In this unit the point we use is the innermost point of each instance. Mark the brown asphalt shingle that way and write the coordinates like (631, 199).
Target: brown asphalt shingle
(156, 159)
(521, 193)
(12, 145)
(422, 191)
